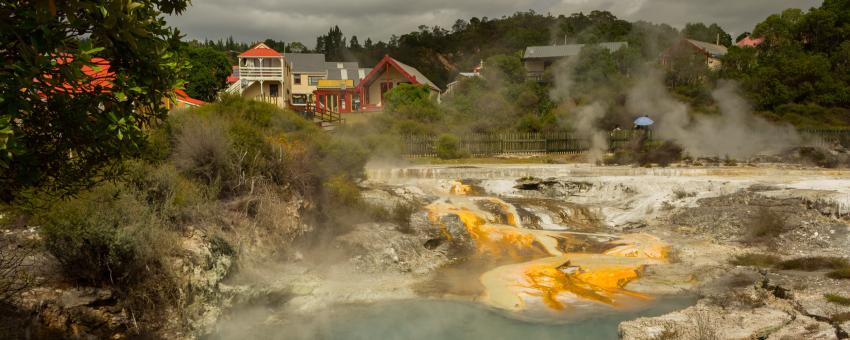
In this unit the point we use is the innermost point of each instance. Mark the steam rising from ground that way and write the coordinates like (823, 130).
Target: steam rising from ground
(735, 132)
(586, 119)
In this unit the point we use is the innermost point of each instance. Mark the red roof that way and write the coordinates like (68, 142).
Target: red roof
(184, 97)
(750, 42)
(99, 78)
(261, 50)
(234, 75)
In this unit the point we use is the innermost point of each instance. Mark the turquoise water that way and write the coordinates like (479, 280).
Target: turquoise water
(432, 319)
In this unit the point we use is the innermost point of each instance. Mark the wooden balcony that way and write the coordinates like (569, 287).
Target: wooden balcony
(261, 73)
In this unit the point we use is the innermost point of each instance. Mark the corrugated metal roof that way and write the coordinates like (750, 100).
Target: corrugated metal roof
(306, 62)
(712, 49)
(343, 73)
(562, 51)
(421, 78)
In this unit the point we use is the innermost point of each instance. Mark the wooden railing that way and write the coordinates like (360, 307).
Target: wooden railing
(253, 72)
(478, 145)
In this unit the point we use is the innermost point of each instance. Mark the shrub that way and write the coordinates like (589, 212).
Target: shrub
(401, 216)
(765, 226)
(108, 237)
(448, 147)
(166, 191)
(813, 263)
(203, 150)
(755, 260)
(840, 274)
(837, 299)
(14, 273)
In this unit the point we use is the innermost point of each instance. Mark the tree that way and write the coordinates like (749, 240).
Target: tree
(354, 44)
(711, 34)
(296, 47)
(61, 128)
(209, 71)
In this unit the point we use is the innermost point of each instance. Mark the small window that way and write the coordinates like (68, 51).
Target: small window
(339, 65)
(297, 78)
(274, 90)
(314, 81)
(299, 99)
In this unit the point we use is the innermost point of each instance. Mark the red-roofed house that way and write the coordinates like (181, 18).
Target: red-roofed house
(262, 74)
(368, 95)
(100, 81)
(749, 41)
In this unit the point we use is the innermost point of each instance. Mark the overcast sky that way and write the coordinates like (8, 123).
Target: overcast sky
(303, 20)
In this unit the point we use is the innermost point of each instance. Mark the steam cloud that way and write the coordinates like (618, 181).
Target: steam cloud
(586, 118)
(735, 132)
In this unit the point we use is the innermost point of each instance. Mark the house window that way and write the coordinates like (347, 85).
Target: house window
(313, 81)
(297, 79)
(299, 99)
(274, 90)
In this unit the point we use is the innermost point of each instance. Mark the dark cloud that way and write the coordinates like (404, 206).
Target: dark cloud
(303, 20)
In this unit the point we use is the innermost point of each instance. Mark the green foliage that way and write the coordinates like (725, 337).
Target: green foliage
(60, 140)
(109, 237)
(709, 34)
(801, 62)
(448, 147)
(414, 102)
(208, 72)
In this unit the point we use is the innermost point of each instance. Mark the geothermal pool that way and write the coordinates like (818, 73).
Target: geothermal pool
(436, 319)
(513, 252)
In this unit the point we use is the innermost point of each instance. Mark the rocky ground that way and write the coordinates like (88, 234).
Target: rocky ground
(709, 216)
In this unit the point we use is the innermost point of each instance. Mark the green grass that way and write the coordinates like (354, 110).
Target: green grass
(814, 263)
(755, 260)
(837, 299)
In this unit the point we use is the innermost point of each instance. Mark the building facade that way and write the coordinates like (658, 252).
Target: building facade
(538, 59)
(264, 75)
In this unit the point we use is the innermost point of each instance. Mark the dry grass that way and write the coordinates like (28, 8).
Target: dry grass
(765, 226)
(755, 260)
(840, 274)
(837, 299)
(814, 263)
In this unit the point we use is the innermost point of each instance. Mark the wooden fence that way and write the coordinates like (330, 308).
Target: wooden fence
(827, 138)
(483, 145)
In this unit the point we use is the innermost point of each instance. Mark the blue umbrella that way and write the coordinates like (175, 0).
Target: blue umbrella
(644, 121)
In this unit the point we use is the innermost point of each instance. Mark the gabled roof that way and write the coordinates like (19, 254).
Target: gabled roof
(260, 50)
(306, 62)
(562, 51)
(412, 74)
(709, 48)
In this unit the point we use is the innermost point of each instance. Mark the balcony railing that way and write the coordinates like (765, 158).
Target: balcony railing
(252, 72)
(535, 76)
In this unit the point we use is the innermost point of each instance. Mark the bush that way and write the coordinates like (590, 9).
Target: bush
(401, 216)
(166, 191)
(755, 260)
(765, 226)
(814, 263)
(837, 299)
(107, 237)
(203, 150)
(448, 147)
